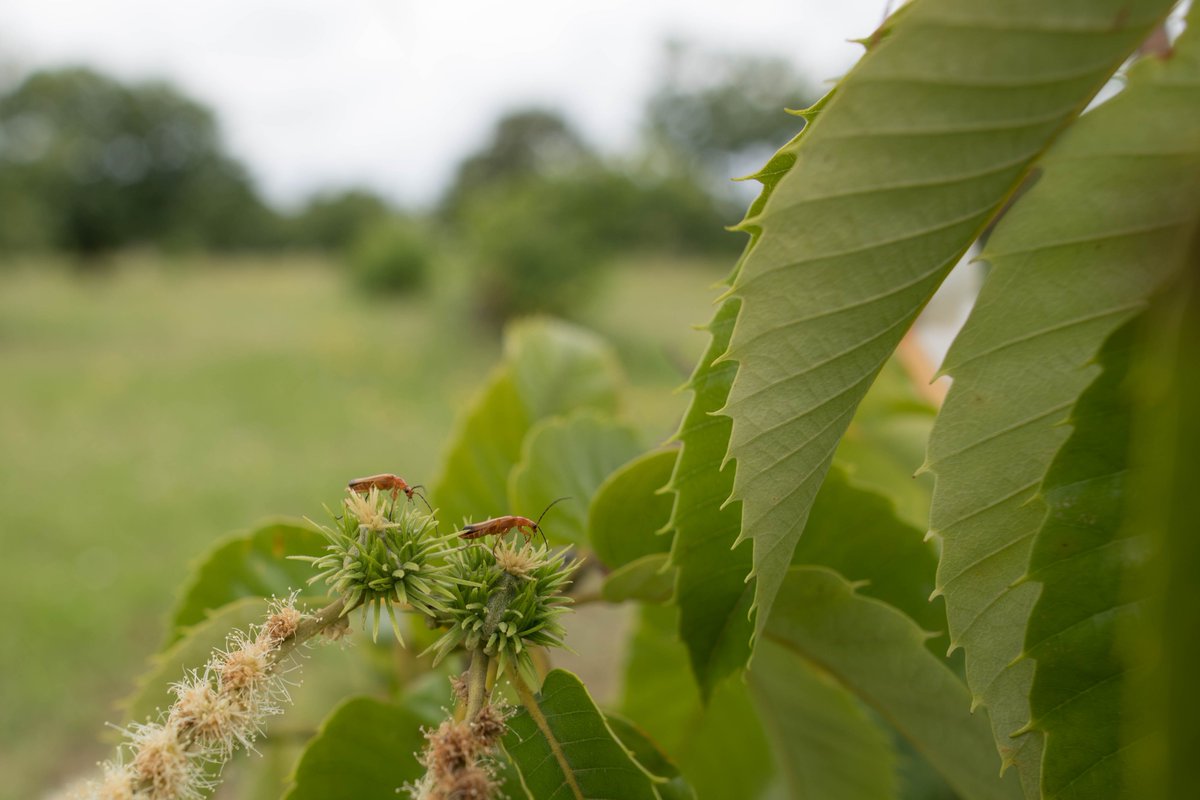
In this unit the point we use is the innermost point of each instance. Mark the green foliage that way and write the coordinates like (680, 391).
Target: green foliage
(91, 164)
(836, 298)
(255, 564)
(851, 529)
(524, 144)
(335, 221)
(532, 251)
(1027, 352)
(1059, 529)
(365, 748)
(571, 751)
(392, 256)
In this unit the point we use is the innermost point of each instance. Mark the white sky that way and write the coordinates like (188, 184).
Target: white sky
(391, 93)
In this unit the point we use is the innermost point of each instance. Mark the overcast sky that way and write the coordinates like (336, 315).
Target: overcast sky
(391, 93)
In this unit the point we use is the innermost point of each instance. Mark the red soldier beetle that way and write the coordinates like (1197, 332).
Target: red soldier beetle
(499, 526)
(387, 482)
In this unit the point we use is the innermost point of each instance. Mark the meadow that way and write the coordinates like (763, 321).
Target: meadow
(147, 411)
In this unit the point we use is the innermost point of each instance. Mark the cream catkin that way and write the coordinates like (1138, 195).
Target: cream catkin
(217, 710)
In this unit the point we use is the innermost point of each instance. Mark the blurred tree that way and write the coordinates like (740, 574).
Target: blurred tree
(393, 256)
(99, 165)
(721, 114)
(538, 243)
(524, 143)
(336, 220)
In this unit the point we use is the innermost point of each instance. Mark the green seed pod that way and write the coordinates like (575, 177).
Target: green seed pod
(380, 560)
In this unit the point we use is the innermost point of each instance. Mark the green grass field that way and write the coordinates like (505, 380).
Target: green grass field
(147, 412)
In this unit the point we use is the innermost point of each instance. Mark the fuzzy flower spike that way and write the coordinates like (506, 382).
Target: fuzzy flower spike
(217, 710)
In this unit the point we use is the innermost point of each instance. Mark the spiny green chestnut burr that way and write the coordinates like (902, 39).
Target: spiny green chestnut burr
(380, 561)
(504, 602)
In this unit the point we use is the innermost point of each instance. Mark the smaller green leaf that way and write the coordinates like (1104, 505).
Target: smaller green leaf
(825, 743)
(857, 532)
(365, 749)
(647, 579)
(558, 368)
(651, 756)
(483, 449)
(567, 457)
(720, 746)
(878, 654)
(253, 564)
(549, 368)
(569, 751)
(630, 509)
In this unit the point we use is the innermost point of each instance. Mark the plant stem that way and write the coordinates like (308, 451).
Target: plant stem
(477, 691)
(310, 626)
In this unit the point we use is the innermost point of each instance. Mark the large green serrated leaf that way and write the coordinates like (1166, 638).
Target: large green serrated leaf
(1081, 557)
(1076, 256)
(571, 752)
(823, 740)
(907, 162)
(254, 564)
(1165, 505)
(550, 368)
(630, 510)
(879, 656)
(851, 529)
(710, 586)
(365, 749)
(567, 457)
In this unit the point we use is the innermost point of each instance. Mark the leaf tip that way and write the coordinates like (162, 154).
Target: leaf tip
(976, 702)
(937, 592)
(1028, 727)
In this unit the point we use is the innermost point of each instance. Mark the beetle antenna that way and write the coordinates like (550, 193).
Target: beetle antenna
(553, 503)
(421, 495)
